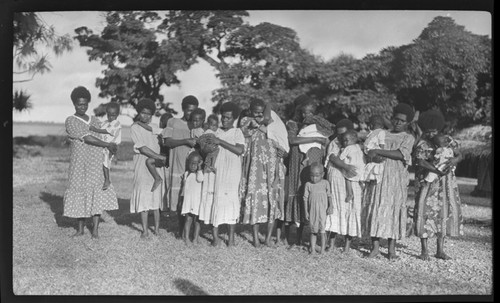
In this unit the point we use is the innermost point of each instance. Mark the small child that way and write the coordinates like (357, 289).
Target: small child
(318, 199)
(191, 192)
(316, 127)
(152, 163)
(442, 155)
(209, 151)
(375, 140)
(196, 121)
(111, 131)
(353, 155)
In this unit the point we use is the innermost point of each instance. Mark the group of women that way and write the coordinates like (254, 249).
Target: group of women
(251, 166)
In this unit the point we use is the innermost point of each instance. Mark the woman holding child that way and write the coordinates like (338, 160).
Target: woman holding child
(264, 170)
(384, 202)
(145, 197)
(85, 196)
(437, 202)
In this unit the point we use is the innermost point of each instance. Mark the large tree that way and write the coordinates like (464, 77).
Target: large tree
(442, 69)
(31, 36)
(138, 62)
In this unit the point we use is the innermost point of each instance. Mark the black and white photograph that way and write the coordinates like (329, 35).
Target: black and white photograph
(248, 152)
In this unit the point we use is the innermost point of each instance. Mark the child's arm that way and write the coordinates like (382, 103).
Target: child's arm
(329, 210)
(199, 174)
(99, 130)
(306, 201)
(267, 115)
(348, 188)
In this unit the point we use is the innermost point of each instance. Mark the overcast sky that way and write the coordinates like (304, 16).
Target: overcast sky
(326, 33)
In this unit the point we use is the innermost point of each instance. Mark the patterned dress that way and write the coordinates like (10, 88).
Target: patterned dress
(298, 176)
(176, 129)
(437, 203)
(84, 196)
(384, 203)
(316, 197)
(226, 200)
(258, 179)
(142, 198)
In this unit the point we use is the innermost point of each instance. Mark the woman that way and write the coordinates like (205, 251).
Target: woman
(231, 142)
(297, 175)
(384, 203)
(84, 196)
(437, 203)
(146, 146)
(262, 172)
(337, 222)
(177, 138)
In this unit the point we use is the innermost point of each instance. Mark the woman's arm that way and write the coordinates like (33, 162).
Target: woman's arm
(150, 153)
(425, 164)
(89, 139)
(350, 170)
(144, 125)
(391, 154)
(99, 130)
(237, 149)
(172, 143)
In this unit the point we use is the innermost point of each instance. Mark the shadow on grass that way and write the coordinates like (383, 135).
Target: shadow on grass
(56, 206)
(188, 288)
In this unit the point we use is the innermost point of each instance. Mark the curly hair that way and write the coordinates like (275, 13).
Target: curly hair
(431, 119)
(405, 109)
(146, 103)
(113, 105)
(189, 100)
(198, 111)
(230, 107)
(256, 102)
(80, 92)
(345, 123)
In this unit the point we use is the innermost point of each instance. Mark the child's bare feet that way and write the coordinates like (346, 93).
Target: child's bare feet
(144, 235)
(256, 244)
(393, 256)
(77, 234)
(374, 253)
(156, 184)
(95, 235)
(106, 184)
(442, 256)
(424, 256)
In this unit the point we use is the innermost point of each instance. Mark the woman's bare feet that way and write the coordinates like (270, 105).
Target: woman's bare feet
(374, 253)
(393, 256)
(424, 257)
(156, 184)
(95, 235)
(442, 256)
(77, 234)
(144, 235)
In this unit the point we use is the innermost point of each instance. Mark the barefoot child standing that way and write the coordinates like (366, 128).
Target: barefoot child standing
(318, 199)
(192, 183)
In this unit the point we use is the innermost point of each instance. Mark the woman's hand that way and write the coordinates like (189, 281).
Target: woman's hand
(113, 148)
(191, 142)
(280, 153)
(214, 140)
(200, 164)
(450, 163)
(371, 154)
(350, 170)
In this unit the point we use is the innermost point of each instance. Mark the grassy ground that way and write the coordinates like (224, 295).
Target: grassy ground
(47, 261)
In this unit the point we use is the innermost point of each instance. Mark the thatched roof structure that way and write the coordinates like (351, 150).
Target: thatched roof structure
(475, 141)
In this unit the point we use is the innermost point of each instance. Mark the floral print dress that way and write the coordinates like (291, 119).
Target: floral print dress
(437, 204)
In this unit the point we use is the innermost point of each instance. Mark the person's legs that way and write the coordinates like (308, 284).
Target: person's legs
(256, 242)
(231, 235)
(425, 252)
(331, 241)
(299, 234)
(322, 238)
(144, 221)
(287, 231)
(187, 228)
(270, 226)
(107, 182)
(180, 220)
(197, 227)
(150, 164)
(440, 249)
(312, 245)
(375, 247)
(215, 234)
(81, 225)
(156, 216)
(95, 226)
(392, 249)
(347, 245)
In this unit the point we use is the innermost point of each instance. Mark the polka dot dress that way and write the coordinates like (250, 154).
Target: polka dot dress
(84, 196)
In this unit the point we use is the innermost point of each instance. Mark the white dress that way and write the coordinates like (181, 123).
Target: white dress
(309, 131)
(115, 129)
(337, 221)
(353, 155)
(226, 203)
(192, 184)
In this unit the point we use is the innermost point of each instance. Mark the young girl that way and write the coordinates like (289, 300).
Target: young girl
(318, 198)
(375, 140)
(192, 182)
(353, 155)
(152, 163)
